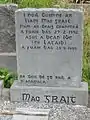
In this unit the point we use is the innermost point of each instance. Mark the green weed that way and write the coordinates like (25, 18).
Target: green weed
(86, 52)
(8, 77)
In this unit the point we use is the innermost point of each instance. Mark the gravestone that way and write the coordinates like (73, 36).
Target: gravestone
(49, 56)
(52, 42)
(7, 28)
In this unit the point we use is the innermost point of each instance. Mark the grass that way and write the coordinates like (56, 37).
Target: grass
(62, 4)
(86, 51)
(38, 3)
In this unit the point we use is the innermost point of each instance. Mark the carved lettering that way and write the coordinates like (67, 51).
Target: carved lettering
(25, 96)
(47, 98)
(54, 99)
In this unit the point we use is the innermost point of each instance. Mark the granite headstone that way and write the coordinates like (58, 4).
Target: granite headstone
(49, 56)
(49, 46)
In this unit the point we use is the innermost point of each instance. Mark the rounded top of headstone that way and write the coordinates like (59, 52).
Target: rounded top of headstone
(48, 9)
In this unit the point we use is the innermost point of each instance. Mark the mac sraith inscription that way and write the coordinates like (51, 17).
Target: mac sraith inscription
(49, 99)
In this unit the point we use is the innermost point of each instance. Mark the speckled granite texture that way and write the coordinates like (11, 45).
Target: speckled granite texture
(7, 28)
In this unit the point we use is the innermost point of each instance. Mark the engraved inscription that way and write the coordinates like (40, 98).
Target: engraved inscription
(49, 98)
(49, 46)
(49, 33)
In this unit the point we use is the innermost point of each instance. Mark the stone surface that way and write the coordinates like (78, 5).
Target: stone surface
(8, 60)
(12, 62)
(7, 28)
(6, 117)
(11, 48)
(1, 87)
(89, 99)
(33, 111)
(57, 112)
(31, 114)
(6, 95)
(49, 46)
(49, 95)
